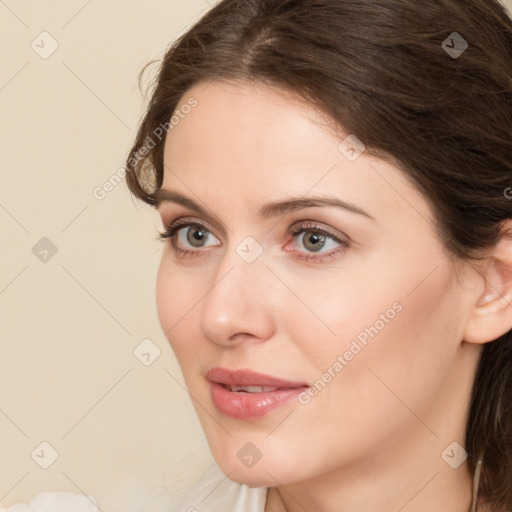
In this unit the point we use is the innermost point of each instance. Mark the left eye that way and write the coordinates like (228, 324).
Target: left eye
(315, 241)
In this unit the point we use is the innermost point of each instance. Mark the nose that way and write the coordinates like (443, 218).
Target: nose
(238, 306)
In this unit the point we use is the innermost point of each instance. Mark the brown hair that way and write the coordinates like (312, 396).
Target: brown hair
(384, 71)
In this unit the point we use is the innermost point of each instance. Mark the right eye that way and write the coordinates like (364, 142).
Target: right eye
(185, 234)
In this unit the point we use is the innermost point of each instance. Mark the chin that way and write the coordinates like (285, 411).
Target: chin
(252, 479)
(264, 473)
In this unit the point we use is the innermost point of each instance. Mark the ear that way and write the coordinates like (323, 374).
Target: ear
(491, 316)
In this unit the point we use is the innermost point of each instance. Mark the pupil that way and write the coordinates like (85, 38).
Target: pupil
(197, 236)
(317, 241)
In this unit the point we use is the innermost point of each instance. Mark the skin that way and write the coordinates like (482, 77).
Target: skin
(372, 439)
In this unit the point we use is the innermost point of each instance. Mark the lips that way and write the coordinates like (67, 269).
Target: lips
(243, 378)
(244, 394)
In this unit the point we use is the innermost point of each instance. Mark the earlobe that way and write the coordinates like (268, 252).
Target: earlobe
(492, 313)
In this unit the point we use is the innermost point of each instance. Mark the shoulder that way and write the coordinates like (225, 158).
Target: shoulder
(52, 501)
(214, 492)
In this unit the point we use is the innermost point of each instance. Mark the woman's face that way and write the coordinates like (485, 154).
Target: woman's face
(358, 307)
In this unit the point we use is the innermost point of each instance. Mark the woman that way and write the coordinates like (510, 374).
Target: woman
(379, 131)
(334, 180)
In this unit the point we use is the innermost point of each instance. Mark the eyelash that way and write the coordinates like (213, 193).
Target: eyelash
(171, 230)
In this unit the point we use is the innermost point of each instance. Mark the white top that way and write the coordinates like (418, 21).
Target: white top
(213, 492)
(53, 501)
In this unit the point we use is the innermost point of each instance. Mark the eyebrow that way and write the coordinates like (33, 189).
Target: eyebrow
(268, 210)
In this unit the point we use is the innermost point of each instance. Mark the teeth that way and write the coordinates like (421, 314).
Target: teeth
(251, 389)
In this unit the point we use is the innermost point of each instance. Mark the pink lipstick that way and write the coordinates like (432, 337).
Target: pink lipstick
(244, 394)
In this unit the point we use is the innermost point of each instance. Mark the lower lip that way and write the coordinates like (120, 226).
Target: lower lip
(247, 406)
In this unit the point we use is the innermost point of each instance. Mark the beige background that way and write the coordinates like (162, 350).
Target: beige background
(125, 433)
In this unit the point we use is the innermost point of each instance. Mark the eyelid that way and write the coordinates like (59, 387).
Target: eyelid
(209, 221)
(304, 225)
(185, 221)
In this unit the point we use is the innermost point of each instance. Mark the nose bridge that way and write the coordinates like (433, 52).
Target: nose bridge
(236, 301)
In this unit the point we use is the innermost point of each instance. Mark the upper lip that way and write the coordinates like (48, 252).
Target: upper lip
(244, 377)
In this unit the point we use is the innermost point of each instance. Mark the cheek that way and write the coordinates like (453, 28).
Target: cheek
(398, 341)
(165, 299)
(339, 309)
(174, 299)
(178, 301)
(399, 291)
(396, 319)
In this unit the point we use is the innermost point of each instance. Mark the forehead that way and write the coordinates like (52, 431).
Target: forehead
(231, 116)
(254, 143)
(249, 133)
